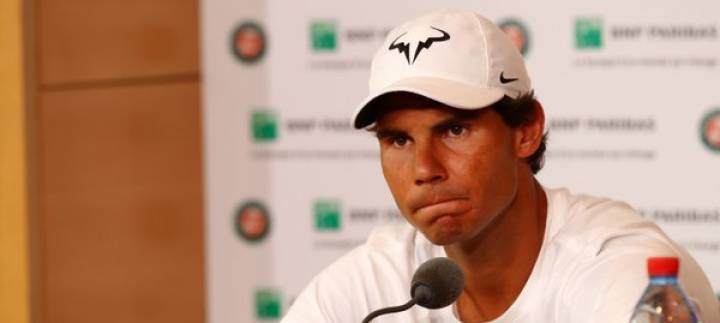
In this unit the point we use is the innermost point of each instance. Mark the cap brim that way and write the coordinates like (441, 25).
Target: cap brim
(451, 93)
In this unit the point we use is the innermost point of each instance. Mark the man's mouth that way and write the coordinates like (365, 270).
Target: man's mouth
(432, 211)
(440, 203)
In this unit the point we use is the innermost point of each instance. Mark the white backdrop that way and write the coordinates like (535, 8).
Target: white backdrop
(631, 91)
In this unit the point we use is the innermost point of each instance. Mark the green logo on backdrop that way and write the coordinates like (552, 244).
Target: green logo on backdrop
(327, 215)
(264, 125)
(267, 304)
(324, 36)
(588, 33)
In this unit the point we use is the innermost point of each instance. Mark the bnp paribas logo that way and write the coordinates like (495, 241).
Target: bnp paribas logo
(264, 125)
(588, 33)
(710, 130)
(327, 215)
(268, 304)
(323, 36)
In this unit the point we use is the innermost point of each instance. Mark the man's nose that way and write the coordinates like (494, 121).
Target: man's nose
(428, 167)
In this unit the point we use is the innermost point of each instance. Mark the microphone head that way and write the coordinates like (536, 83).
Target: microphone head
(437, 283)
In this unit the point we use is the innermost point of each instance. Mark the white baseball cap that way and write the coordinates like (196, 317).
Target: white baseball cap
(455, 57)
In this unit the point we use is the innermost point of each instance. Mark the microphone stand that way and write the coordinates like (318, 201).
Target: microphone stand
(387, 310)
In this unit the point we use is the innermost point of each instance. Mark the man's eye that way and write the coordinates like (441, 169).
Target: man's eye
(399, 141)
(456, 130)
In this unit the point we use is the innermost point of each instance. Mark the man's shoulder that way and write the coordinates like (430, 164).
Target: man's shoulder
(391, 236)
(589, 222)
(572, 208)
(568, 211)
(372, 275)
(602, 243)
(390, 245)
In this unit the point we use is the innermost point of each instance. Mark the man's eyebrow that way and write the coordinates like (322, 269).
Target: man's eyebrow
(452, 120)
(382, 133)
(389, 132)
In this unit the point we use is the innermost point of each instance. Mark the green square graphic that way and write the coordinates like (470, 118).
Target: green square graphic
(324, 36)
(588, 33)
(268, 304)
(264, 126)
(327, 215)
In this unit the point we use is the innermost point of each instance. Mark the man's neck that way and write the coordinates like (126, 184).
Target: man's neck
(498, 262)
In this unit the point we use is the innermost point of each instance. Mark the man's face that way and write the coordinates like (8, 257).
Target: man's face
(451, 173)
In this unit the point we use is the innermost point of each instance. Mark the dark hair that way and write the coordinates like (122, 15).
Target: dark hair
(520, 111)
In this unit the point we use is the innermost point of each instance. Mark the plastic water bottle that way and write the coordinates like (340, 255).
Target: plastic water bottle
(664, 301)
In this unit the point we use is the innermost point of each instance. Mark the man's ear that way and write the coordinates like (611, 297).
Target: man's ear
(530, 134)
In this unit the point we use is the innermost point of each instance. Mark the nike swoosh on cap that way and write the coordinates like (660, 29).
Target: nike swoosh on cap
(503, 80)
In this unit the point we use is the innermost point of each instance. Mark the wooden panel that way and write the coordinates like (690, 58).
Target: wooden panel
(121, 205)
(86, 40)
(14, 278)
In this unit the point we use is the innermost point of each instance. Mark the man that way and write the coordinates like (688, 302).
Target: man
(461, 137)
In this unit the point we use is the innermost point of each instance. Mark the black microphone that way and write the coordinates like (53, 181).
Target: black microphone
(436, 283)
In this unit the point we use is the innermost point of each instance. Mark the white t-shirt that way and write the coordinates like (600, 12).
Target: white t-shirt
(591, 268)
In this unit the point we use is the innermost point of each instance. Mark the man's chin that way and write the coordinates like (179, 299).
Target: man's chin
(444, 230)
(444, 237)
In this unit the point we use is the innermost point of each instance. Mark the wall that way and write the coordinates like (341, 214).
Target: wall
(14, 278)
(116, 166)
(629, 90)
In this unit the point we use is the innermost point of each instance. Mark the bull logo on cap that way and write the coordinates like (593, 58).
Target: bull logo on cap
(404, 47)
